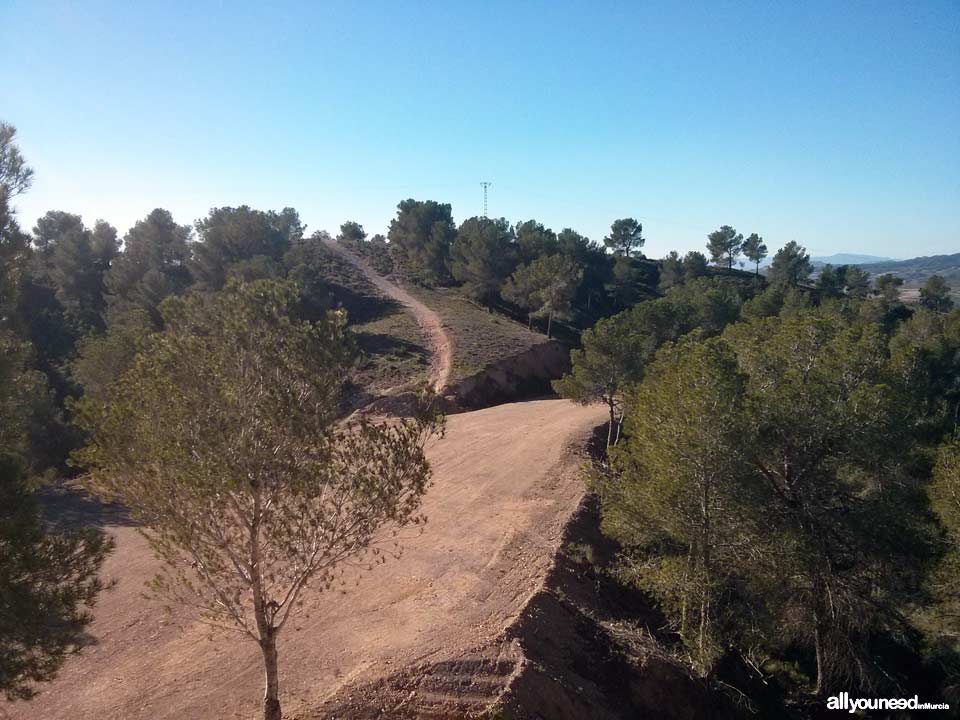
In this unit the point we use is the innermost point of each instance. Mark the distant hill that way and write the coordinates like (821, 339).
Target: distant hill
(849, 259)
(916, 270)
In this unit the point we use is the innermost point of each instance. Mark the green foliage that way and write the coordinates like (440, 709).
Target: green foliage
(595, 263)
(351, 233)
(420, 238)
(764, 304)
(626, 236)
(48, 574)
(821, 434)
(49, 578)
(671, 271)
(482, 257)
(694, 265)
(724, 245)
(888, 286)
(680, 502)
(761, 494)
(625, 285)
(925, 359)
(843, 281)
(616, 351)
(711, 304)
(791, 265)
(935, 294)
(273, 494)
(534, 240)
(153, 265)
(610, 358)
(309, 265)
(70, 268)
(101, 359)
(15, 175)
(545, 288)
(755, 250)
(15, 178)
(250, 242)
(945, 502)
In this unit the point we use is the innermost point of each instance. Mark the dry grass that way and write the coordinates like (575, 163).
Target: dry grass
(479, 337)
(395, 354)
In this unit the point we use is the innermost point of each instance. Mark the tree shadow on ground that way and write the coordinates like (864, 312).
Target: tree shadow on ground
(64, 503)
(378, 344)
(362, 307)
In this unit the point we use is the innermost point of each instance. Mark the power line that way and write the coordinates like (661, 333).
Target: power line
(485, 185)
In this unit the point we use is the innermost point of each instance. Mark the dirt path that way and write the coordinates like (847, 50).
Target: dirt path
(441, 350)
(505, 483)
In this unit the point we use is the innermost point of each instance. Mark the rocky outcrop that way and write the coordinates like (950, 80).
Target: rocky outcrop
(517, 377)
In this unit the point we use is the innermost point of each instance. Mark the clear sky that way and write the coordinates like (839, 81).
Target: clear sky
(836, 124)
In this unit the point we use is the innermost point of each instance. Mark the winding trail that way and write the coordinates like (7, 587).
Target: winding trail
(441, 348)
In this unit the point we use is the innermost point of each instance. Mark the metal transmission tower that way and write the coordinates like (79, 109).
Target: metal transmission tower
(485, 185)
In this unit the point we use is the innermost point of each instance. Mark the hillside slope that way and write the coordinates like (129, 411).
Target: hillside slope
(505, 484)
(916, 271)
(429, 322)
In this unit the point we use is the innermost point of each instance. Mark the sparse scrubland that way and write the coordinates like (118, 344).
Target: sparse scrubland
(773, 497)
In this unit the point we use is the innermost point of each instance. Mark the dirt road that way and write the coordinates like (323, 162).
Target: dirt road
(441, 350)
(505, 483)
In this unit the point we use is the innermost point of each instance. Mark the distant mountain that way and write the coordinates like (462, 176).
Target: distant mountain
(849, 259)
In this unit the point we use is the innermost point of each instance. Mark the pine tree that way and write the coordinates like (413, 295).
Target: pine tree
(222, 441)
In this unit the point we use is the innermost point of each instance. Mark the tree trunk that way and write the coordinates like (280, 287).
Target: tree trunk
(549, 323)
(818, 650)
(820, 636)
(271, 692)
(610, 426)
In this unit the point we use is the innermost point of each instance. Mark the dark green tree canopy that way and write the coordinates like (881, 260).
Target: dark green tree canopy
(534, 240)
(791, 265)
(545, 288)
(49, 573)
(242, 240)
(73, 261)
(888, 286)
(15, 178)
(351, 233)
(153, 264)
(724, 245)
(694, 265)
(671, 271)
(15, 175)
(626, 236)
(935, 294)
(482, 256)
(420, 238)
(49, 581)
(755, 250)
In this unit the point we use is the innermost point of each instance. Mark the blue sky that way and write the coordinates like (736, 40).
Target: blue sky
(836, 124)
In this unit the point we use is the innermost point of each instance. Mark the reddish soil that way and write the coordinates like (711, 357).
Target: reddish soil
(505, 485)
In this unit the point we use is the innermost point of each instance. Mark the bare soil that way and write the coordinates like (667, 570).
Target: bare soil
(505, 485)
